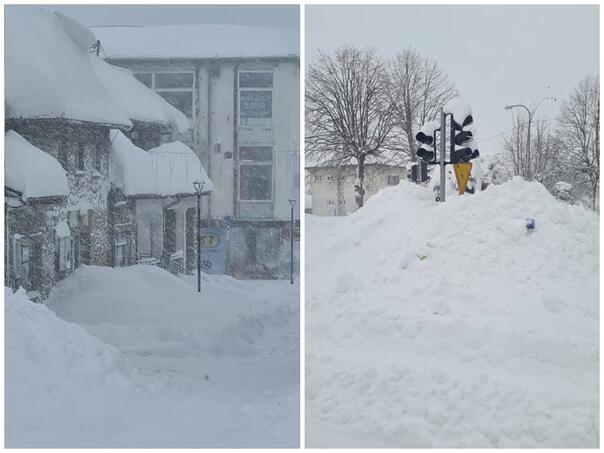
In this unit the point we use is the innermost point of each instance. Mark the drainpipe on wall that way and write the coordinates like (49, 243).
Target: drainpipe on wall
(235, 143)
(211, 67)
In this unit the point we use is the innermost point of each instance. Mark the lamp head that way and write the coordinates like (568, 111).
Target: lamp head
(199, 186)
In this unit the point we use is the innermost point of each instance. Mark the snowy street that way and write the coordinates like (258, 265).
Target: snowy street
(449, 325)
(220, 369)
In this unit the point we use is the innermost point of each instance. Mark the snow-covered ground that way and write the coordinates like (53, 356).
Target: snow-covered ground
(135, 357)
(450, 325)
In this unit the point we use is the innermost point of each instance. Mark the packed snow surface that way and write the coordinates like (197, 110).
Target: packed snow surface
(153, 363)
(169, 169)
(49, 73)
(31, 171)
(198, 41)
(52, 366)
(451, 325)
(136, 100)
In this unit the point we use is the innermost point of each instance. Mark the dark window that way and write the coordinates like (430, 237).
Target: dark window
(98, 158)
(182, 100)
(145, 78)
(64, 155)
(393, 180)
(81, 157)
(256, 182)
(174, 80)
(256, 80)
(256, 153)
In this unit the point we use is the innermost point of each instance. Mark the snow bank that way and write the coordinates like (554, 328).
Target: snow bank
(52, 366)
(198, 41)
(169, 169)
(48, 70)
(449, 325)
(136, 100)
(30, 170)
(147, 310)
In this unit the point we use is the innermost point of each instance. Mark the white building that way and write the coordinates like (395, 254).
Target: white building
(332, 187)
(239, 86)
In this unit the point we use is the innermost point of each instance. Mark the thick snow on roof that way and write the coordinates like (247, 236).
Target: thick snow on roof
(169, 169)
(198, 41)
(135, 99)
(30, 170)
(48, 73)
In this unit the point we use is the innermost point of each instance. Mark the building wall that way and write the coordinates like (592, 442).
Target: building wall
(216, 133)
(330, 198)
(83, 151)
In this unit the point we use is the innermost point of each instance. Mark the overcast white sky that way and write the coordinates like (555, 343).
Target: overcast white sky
(275, 16)
(496, 55)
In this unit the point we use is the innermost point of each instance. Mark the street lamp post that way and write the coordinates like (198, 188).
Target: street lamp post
(199, 186)
(292, 203)
(528, 140)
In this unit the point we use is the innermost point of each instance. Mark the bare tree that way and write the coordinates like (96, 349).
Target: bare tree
(419, 88)
(543, 162)
(579, 136)
(349, 115)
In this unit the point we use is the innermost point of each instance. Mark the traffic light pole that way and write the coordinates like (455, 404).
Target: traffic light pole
(443, 127)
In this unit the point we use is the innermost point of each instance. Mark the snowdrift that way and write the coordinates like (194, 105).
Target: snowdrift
(51, 363)
(147, 310)
(449, 325)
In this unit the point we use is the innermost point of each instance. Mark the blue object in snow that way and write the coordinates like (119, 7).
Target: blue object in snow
(530, 224)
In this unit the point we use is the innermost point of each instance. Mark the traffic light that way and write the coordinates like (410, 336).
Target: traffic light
(463, 138)
(426, 149)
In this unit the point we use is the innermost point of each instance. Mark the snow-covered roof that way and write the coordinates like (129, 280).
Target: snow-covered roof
(198, 41)
(136, 100)
(48, 73)
(31, 171)
(169, 169)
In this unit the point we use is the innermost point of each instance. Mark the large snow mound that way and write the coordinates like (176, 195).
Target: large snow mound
(147, 310)
(31, 171)
(450, 325)
(169, 169)
(50, 362)
(198, 41)
(48, 70)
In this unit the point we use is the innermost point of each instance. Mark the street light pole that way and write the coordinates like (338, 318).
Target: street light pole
(528, 174)
(292, 203)
(199, 186)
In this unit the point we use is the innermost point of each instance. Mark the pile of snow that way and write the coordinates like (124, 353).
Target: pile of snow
(198, 41)
(451, 325)
(49, 73)
(169, 169)
(147, 310)
(136, 100)
(53, 365)
(31, 171)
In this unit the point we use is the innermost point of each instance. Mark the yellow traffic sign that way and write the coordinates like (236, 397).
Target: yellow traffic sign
(462, 174)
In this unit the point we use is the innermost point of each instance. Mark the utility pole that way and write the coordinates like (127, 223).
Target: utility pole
(292, 203)
(443, 128)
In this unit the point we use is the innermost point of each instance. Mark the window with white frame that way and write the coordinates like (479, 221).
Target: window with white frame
(255, 173)
(120, 248)
(64, 253)
(176, 87)
(22, 261)
(255, 98)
